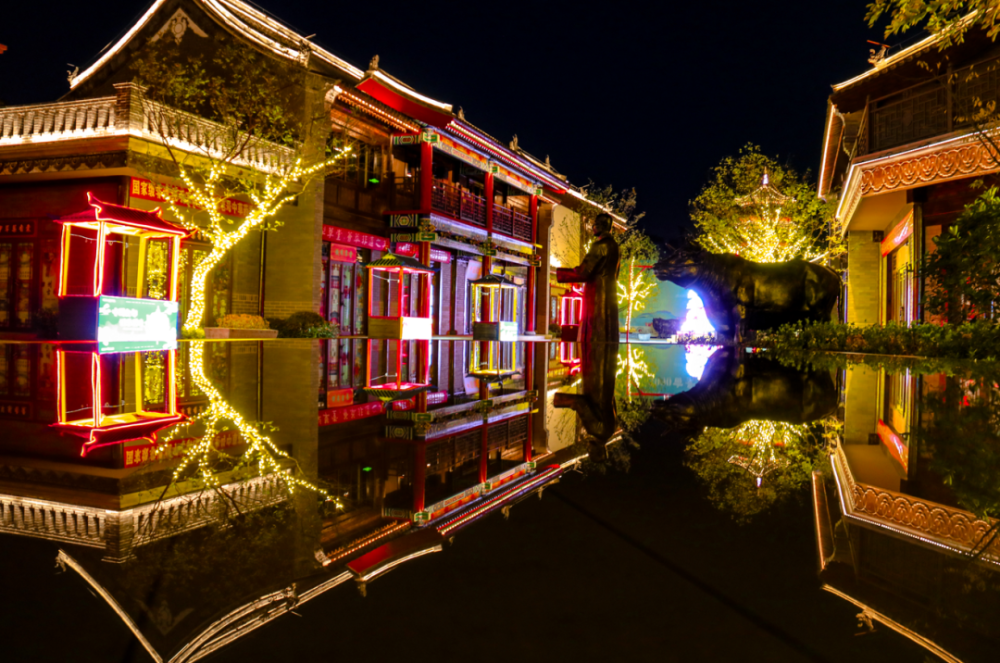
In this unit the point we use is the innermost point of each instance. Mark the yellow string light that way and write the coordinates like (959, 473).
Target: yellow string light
(266, 204)
(261, 449)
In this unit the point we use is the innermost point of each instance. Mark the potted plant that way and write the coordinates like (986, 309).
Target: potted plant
(241, 325)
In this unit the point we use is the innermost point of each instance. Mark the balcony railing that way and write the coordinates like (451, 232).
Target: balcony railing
(463, 205)
(129, 114)
(937, 106)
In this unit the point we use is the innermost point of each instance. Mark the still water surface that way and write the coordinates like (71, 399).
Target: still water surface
(640, 502)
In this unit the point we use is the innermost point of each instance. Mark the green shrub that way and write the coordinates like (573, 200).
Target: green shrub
(306, 324)
(975, 340)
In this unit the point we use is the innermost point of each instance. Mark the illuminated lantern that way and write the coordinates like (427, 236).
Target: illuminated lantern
(91, 279)
(494, 309)
(88, 380)
(571, 313)
(388, 315)
(393, 283)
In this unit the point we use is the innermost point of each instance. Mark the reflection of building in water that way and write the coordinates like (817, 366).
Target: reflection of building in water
(899, 534)
(107, 507)
(92, 443)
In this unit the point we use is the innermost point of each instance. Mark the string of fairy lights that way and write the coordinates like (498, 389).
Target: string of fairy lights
(261, 449)
(267, 200)
(767, 234)
(635, 290)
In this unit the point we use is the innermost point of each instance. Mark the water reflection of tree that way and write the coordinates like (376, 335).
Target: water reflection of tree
(961, 442)
(633, 377)
(212, 567)
(730, 461)
(206, 463)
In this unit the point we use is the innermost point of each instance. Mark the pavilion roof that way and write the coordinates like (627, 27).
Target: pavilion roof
(392, 260)
(125, 217)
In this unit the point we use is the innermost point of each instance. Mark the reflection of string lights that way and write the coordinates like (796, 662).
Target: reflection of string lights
(765, 437)
(262, 449)
(633, 365)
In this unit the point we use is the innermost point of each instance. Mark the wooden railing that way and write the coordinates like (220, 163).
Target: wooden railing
(463, 205)
(129, 114)
(458, 203)
(934, 107)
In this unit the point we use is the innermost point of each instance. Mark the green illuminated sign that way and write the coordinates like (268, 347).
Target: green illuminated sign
(126, 324)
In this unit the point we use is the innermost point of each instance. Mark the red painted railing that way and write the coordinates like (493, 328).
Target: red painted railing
(463, 205)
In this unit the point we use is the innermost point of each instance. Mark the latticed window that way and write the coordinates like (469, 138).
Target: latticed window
(17, 275)
(15, 371)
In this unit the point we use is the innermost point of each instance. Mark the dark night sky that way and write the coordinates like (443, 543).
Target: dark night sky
(649, 95)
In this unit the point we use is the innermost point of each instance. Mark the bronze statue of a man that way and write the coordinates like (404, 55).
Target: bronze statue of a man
(599, 270)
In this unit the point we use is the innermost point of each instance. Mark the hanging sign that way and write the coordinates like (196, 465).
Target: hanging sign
(433, 398)
(339, 415)
(341, 253)
(146, 190)
(898, 235)
(355, 238)
(339, 397)
(18, 228)
(410, 250)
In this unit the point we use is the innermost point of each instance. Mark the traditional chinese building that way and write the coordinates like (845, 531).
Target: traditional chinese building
(900, 150)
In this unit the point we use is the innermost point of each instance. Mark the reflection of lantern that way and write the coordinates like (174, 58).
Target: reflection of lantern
(571, 313)
(569, 356)
(90, 264)
(389, 322)
(494, 327)
(494, 309)
(388, 316)
(88, 380)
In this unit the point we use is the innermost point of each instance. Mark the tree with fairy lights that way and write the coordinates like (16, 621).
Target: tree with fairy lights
(633, 377)
(231, 126)
(635, 282)
(205, 462)
(764, 211)
(753, 467)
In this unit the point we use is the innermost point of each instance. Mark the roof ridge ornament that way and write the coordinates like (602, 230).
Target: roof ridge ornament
(877, 59)
(178, 25)
(373, 64)
(513, 144)
(461, 114)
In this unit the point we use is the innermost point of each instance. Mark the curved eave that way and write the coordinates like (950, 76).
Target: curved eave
(834, 127)
(495, 150)
(382, 88)
(898, 58)
(228, 14)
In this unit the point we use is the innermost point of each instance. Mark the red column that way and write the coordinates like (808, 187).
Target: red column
(489, 204)
(529, 384)
(484, 450)
(426, 176)
(425, 312)
(485, 302)
(419, 475)
(532, 270)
